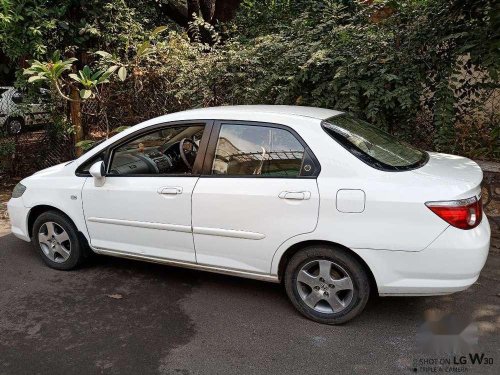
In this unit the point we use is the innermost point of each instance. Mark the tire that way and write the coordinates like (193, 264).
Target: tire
(14, 125)
(57, 241)
(335, 301)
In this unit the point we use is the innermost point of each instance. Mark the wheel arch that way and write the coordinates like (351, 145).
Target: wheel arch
(295, 248)
(16, 117)
(37, 210)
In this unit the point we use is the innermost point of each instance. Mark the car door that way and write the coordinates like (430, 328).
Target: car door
(144, 206)
(258, 189)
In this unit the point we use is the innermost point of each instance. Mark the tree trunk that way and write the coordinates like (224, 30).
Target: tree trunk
(207, 8)
(225, 10)
(193, 7)
(76, 118)
(212, 11)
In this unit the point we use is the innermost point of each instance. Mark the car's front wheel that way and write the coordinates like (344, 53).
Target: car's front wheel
(55, 238)
(327, 284)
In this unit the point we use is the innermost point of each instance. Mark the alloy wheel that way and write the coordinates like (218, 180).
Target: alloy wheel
(325, 286)
(54, 242)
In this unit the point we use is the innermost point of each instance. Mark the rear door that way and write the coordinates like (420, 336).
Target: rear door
(258, 189)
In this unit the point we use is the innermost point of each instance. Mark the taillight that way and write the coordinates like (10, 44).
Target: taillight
(463, 213)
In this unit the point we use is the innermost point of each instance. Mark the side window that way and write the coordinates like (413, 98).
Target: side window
(250, 150)
(171, 150)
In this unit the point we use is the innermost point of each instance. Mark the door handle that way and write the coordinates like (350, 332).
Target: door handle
(295, 195)
(170, 190)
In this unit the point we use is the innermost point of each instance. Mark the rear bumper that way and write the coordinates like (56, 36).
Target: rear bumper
(18, 215)
(450, 264)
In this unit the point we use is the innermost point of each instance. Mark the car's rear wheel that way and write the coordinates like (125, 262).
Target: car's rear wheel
(14, 125)
(56, 239)
(327, 284)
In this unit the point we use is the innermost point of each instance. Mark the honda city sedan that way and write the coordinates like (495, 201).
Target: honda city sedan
(330, 206)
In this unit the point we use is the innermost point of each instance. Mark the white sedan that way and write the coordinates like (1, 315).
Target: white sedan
(330, 206)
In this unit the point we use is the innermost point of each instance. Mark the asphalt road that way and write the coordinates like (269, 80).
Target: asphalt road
(176, 321)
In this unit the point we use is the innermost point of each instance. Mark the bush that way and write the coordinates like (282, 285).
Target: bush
(425, 70)
(422, 70)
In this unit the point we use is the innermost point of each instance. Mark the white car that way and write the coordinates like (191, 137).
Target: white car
(15, 113)
(313, 198)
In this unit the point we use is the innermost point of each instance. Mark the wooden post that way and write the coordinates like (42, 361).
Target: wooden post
(76, 117)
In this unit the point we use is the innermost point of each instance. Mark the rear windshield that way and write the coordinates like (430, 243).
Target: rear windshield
(373, 146)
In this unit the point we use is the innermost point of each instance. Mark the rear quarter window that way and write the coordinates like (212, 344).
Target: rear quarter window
(372, 145)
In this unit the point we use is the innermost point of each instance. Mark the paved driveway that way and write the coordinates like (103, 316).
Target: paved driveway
(118, 316)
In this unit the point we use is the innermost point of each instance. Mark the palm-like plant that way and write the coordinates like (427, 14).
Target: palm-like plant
(51, 70)
(91, 80)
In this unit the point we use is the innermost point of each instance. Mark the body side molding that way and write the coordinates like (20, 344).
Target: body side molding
(142, 224)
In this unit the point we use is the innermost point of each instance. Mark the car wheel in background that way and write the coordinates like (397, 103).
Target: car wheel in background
(14, 125)
(327, 284)
(56, 239)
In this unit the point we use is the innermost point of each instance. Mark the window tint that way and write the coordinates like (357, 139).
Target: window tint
(159, 152)
(374, 146)
(257, 150)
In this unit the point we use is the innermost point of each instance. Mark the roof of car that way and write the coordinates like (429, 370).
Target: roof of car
(227, 111)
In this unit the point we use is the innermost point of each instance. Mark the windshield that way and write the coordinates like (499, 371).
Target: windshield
(373, 146)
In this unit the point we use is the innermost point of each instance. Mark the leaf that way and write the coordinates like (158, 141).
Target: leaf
(112, 69)
(70, 61)
(85, 94)
(86, 71)
(122, 73)
(35, 78)
(103, 78)
(96, 75)
(158, 30)
(74, 77)
(143, 47)
(104, 54)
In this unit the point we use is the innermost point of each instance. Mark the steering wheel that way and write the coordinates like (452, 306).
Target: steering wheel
(188, 157)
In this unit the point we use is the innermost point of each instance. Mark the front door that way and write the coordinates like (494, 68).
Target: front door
(144, 206)
(258, 190)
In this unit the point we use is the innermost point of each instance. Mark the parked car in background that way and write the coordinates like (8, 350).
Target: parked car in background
(329, 205)
(18, 113)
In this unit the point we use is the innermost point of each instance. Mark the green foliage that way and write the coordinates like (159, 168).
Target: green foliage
(51, 70)
(391, 63)
(142, 49)
(30, 28)
(90, 80)
(85, 145)
(120, 129)
(424, 70)
(7, 148)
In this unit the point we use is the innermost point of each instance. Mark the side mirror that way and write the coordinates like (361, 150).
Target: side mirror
(98, 171)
